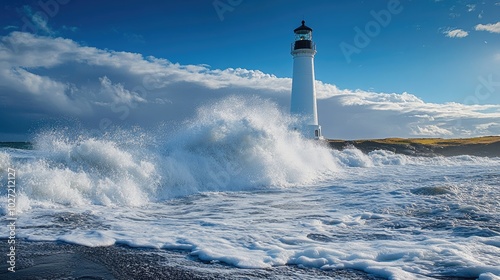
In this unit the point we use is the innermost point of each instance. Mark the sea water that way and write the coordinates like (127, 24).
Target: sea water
(236, 185)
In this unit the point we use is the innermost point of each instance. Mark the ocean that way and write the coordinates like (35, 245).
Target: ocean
(235, 186)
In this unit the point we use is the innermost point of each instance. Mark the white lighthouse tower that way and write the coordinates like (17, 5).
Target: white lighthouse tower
(303, 103)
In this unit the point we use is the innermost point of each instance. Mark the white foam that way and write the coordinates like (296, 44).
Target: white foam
(4, 162)
(261, 196)
(90, 239)
(84, 171)
(235, 144)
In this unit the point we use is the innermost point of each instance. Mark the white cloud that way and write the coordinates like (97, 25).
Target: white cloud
(8, 27)
(430, 131)
(487, 126)
(42, 24)
(118, 94)
(492, 27)
(39, 22)
(456, 33)
(471, 7)
(45, 79)
(42, 89)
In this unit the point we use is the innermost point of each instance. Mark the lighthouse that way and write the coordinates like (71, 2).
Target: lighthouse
(303, 101)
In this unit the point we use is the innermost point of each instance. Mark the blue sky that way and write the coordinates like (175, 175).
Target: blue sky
(412, 53)
(439, 51)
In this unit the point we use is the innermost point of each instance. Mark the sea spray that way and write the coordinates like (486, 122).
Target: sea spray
(247, 142)
(87, 170)
(231, 145)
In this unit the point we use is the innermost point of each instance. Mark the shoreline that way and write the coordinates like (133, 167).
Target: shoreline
(58, 260)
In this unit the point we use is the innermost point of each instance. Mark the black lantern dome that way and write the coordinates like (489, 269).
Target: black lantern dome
(303, 37)
(303, 27)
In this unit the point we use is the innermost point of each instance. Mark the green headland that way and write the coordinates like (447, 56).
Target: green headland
(479, 146)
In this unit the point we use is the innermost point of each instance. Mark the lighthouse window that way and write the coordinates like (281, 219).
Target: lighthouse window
(303, 35)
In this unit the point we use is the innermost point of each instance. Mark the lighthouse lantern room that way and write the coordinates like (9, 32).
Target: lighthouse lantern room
(303, 100)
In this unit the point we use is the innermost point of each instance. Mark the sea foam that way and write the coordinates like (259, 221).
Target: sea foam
(234, 184)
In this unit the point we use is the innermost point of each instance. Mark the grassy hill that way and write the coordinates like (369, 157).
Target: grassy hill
(441, 141)
(478, 146)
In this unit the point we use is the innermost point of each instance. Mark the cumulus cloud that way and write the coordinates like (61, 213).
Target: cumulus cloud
(377, 115)
(492, 27)
(456, 33)
(47, 81)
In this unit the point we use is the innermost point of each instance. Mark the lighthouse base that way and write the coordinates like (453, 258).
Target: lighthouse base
(315, 130)
(310, 131)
